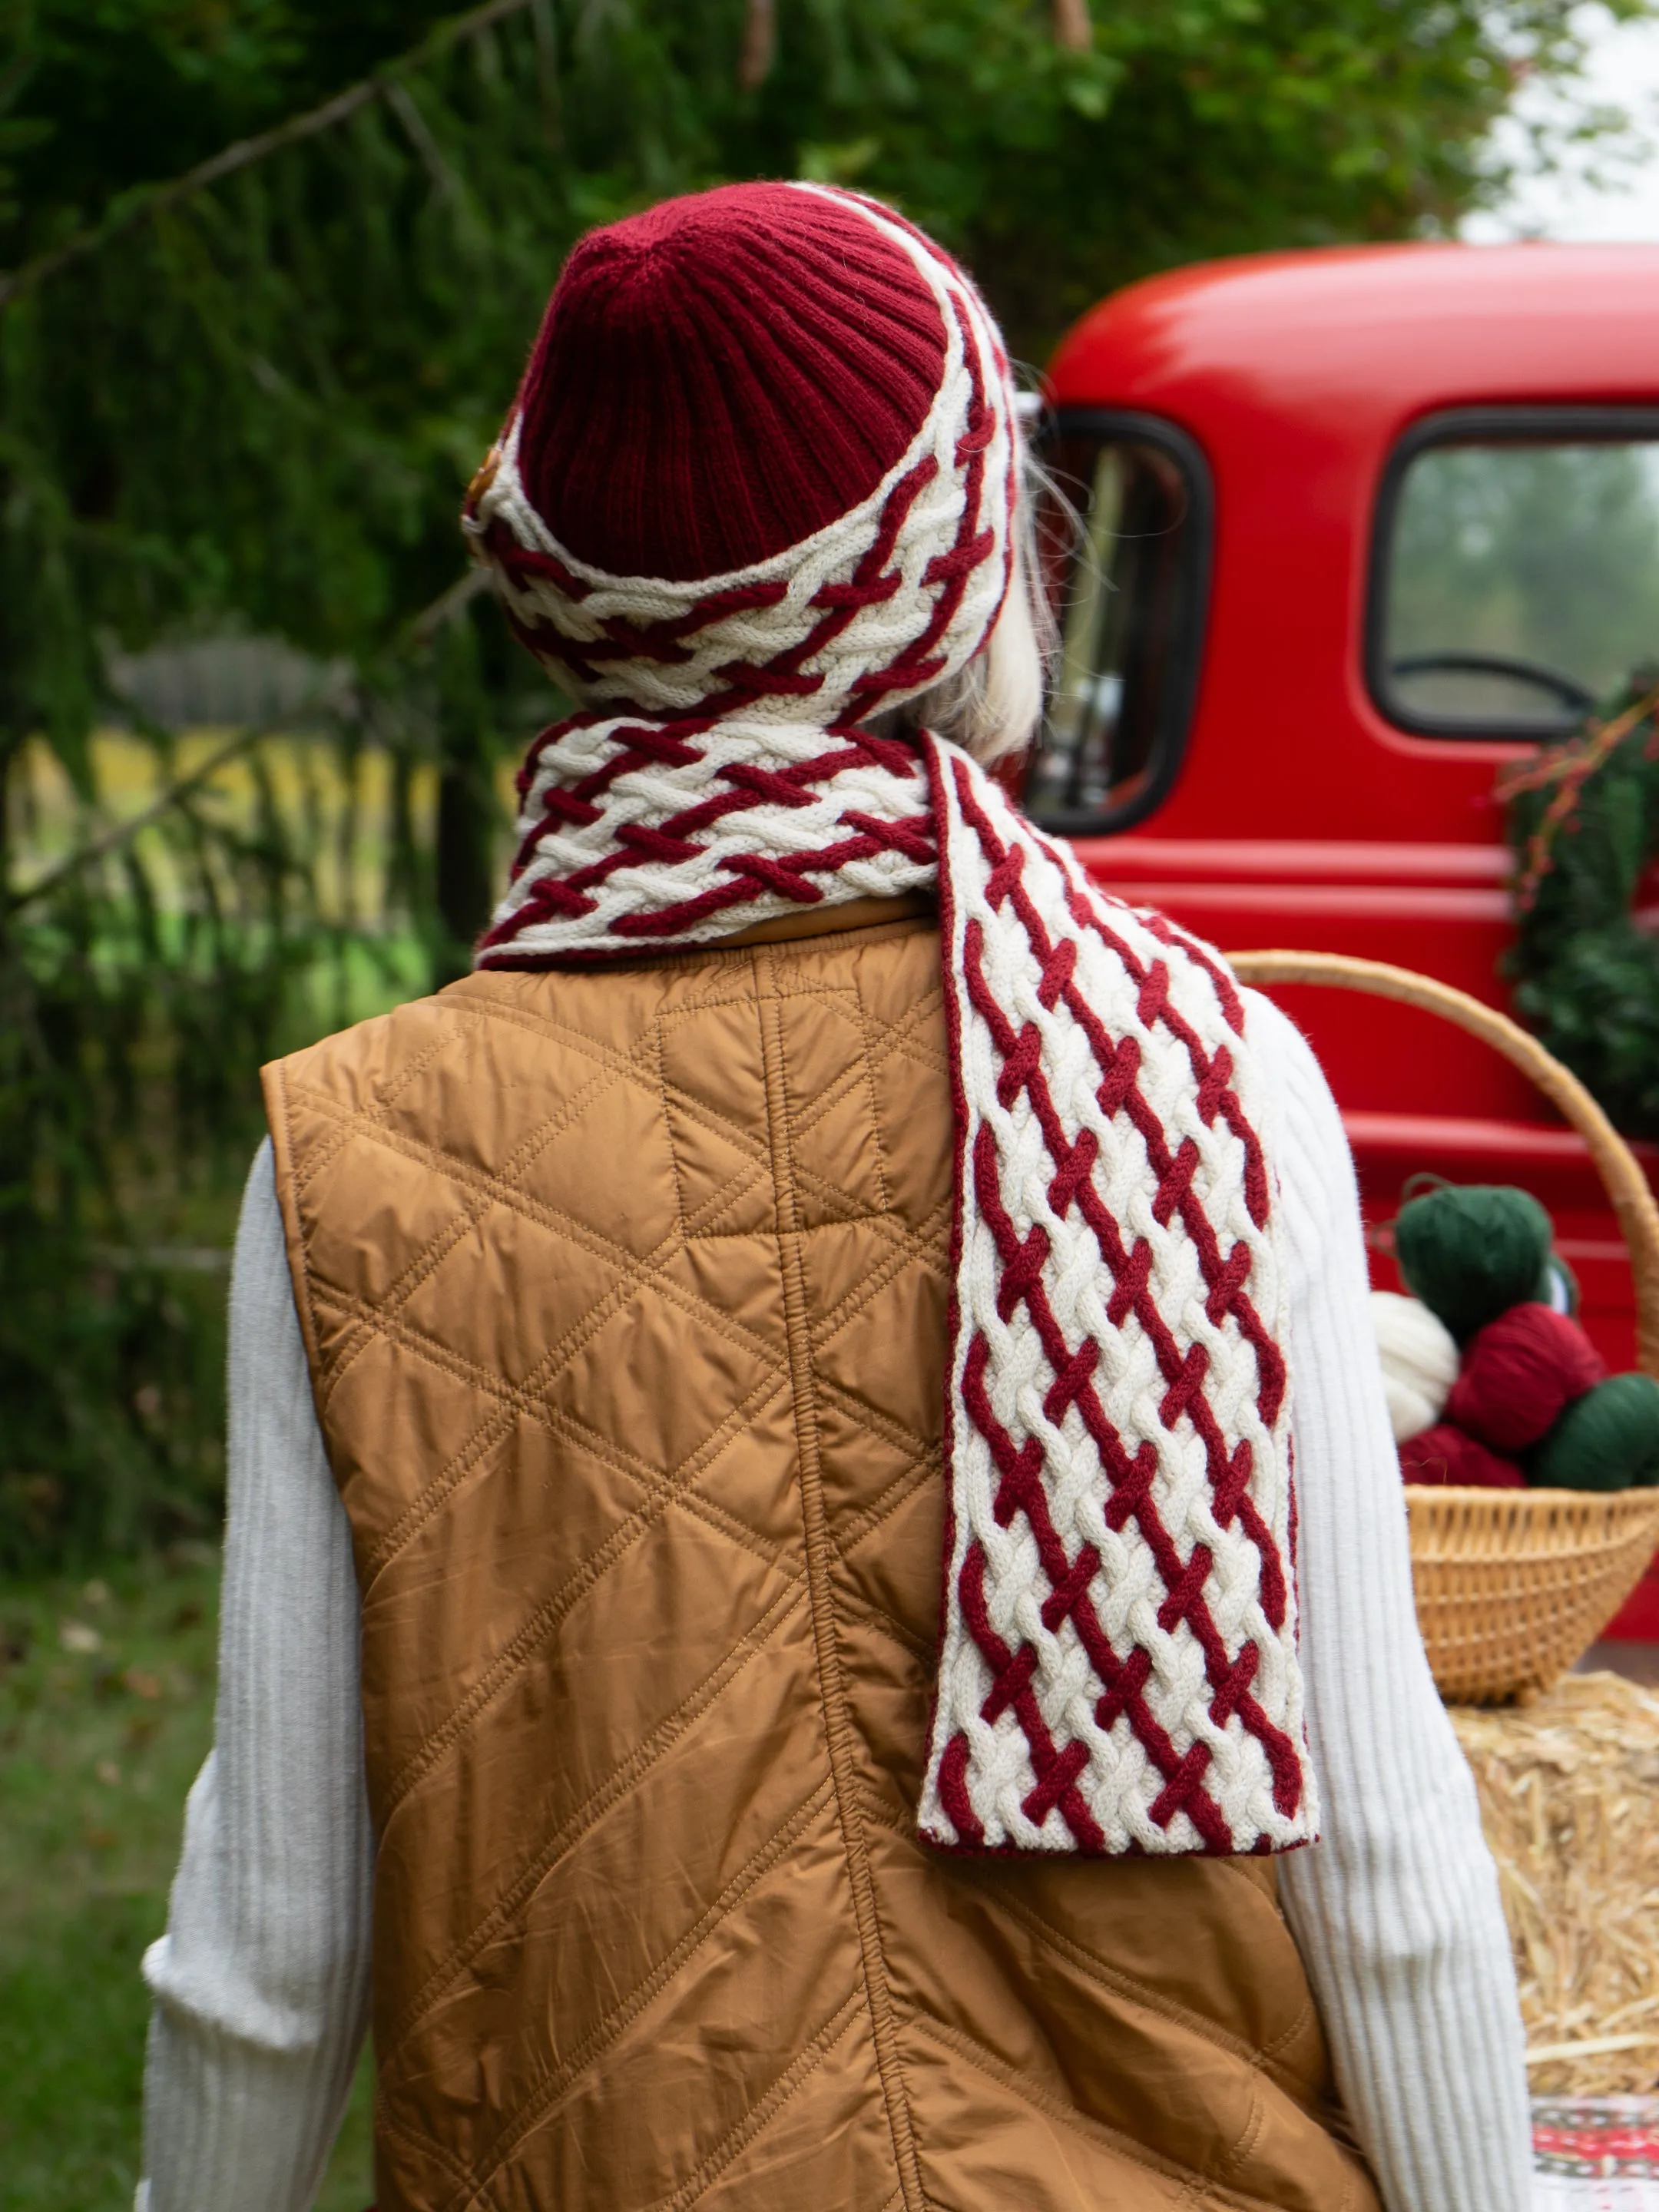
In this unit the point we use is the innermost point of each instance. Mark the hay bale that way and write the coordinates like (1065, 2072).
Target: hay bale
(1567, 1800)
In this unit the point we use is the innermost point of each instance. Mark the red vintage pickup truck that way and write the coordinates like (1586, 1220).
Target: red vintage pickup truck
(1360, 528)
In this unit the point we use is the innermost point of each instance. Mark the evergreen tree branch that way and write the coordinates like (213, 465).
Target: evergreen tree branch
(151, 200)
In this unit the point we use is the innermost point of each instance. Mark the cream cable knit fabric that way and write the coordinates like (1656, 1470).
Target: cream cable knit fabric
(1118, 1666)
(261, 1978)
(884, 784)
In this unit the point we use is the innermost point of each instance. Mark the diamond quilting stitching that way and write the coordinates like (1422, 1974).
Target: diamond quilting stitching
(635, 1273)
(910, 1036)
(374, 1124)
(874, 1421)
(528, 1399)
(665, 1492)
(520, 1881)
(836, 1204)
(476, 1191)
(639, 1268)
(557, 2070)
(907, 1245)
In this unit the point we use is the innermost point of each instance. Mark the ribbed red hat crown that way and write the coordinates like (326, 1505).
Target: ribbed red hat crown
(721, 377)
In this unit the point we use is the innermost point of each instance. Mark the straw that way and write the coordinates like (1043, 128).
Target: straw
(1567, 1789)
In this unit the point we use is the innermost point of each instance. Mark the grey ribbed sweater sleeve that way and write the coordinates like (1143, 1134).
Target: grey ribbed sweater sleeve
(261, 1981)
(1395, 1910)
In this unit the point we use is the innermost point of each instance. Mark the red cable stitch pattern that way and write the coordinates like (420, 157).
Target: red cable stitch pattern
(940, 570)
(872, 584)
(672, 842)
(666, 743)
(1019, 1466)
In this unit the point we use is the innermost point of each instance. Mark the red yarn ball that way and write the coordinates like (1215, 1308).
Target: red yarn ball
(1445, 1458)
(1520, 1373)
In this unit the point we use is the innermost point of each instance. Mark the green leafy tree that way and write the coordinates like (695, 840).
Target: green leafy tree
(248, 399)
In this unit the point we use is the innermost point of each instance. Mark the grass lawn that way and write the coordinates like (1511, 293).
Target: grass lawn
(105, 1715)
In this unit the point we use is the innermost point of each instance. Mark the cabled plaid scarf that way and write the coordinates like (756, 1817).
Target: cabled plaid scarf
(1118, 1669)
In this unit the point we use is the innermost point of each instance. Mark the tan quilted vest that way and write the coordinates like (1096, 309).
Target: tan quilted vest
(623, 1293)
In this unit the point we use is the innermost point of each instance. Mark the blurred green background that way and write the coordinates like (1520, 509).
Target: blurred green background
(274, 266)
(105, 1715)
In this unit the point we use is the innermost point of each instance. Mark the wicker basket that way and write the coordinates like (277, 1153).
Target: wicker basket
(1513, 1585)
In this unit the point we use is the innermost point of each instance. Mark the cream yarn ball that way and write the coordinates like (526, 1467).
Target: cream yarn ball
(1419, 1362)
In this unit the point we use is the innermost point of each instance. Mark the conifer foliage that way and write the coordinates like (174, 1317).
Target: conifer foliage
(1583, 819)
(246, 399)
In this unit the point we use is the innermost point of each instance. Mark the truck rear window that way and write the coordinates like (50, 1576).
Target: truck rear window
(1124, 541)
(1517, 570)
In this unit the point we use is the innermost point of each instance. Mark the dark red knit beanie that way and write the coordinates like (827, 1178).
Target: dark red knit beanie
(721, 377)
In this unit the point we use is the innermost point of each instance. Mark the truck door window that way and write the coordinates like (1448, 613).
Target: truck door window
(1516, 575)
(1123, 529)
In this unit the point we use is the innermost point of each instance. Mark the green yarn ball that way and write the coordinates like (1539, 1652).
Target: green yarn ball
(1470, 1251)
(1608, 1439)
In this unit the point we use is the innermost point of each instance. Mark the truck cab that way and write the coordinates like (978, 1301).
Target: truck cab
(1354, 531)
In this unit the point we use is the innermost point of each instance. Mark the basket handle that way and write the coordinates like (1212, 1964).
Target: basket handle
(1622, 1175)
